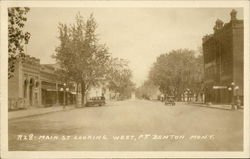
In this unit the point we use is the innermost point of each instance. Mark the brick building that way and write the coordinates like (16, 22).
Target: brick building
(224, 62)
(35, 85)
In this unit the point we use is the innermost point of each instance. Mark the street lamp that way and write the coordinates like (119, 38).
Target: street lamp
(237, 94)
(64, 89)
(189, 94)
(232, 88)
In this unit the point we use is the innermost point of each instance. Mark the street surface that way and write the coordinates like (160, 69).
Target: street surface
(132, 125)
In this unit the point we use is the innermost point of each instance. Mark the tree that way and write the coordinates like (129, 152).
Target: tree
(147, 90)
(119, 77)
(81, 57)
(176, 71)
(16, 36)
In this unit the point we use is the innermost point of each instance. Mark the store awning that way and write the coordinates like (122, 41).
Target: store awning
(51, 90)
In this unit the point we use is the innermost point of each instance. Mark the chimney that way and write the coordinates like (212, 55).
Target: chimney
(233, 14)
(218, 25)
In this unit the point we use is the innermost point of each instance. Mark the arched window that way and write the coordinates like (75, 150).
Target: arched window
(25, 84)
(37, 84)
(32, 82)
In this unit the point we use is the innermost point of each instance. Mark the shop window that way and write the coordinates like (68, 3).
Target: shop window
(25, 85)
(37, 84)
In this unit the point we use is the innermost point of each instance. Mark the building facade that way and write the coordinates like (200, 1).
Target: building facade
(101, 90)
(37, 85)
(224, 62)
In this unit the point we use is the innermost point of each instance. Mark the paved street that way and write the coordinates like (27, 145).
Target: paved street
(132, 125)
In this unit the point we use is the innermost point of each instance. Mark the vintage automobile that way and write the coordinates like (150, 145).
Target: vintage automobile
(170, 100)
(100, 100)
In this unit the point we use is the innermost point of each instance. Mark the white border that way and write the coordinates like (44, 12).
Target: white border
(120, 154)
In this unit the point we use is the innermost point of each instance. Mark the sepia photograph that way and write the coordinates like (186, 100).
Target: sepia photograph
(125, 79)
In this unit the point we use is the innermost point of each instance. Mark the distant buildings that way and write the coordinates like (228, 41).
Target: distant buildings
(224, 61)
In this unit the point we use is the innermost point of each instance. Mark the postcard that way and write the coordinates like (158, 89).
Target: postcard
(124, 79)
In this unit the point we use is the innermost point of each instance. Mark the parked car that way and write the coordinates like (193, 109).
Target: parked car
(100, 100)
(170, 100)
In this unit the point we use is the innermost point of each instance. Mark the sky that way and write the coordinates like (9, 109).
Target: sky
(139, 35)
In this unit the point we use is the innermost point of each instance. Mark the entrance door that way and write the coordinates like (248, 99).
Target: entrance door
(31, 91)
(31, 95)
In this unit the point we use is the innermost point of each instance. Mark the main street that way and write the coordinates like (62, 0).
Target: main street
(132, 125)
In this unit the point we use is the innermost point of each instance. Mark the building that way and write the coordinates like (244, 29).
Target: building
(37, 85)
(224, 62)
(101, 89)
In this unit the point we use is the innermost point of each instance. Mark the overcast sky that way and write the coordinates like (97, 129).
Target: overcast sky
(136, 34)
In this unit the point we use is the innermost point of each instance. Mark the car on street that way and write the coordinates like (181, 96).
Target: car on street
(170, 100)
(100, 100)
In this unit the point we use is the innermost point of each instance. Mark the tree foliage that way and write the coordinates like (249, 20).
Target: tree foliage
(147, 90)
(16, 36)
(119, 77)
(176, 71)
(80, 55)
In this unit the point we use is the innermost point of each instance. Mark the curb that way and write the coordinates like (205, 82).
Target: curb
(32, 115)
(207, 106)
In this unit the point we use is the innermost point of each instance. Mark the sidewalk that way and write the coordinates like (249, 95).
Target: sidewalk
(217, 106)
(37, 111)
